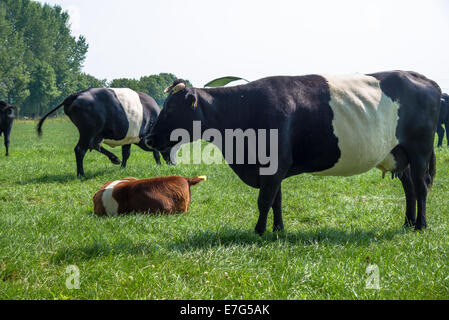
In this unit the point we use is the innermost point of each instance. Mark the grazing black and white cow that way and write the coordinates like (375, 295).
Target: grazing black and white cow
(6, 120)
(444, 119)
(116, 117)
(326, 126)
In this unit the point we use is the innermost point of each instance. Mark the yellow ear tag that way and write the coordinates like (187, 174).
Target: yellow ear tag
(195, 104)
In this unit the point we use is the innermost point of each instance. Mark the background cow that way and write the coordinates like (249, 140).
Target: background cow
(444, 119)
(6, 120)
(327, 125)
(156, 195)
(116, 117)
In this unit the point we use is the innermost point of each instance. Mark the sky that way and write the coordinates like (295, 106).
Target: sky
(203, 40)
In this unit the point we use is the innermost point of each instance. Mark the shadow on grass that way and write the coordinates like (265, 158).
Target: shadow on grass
(62, 178)
(225, 238)
(325, 235)
(98, 249)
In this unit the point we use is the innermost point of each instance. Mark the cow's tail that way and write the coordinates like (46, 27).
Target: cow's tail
(196, 180)
(68, 101)
(432, 169)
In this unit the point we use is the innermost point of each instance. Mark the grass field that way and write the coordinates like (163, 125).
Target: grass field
(335, 228)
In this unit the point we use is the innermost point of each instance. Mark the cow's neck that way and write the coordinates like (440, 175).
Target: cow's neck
(219, 113)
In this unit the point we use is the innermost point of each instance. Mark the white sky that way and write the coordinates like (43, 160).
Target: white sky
(201, 40)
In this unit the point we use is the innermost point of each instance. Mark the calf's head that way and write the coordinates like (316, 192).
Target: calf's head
(180, 109)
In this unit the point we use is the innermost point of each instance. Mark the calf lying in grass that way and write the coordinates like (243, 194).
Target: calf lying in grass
(156, 195)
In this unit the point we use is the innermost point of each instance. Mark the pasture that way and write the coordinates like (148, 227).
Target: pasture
(335, 228)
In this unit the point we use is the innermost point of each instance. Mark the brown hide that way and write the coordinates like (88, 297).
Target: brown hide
(156, 195)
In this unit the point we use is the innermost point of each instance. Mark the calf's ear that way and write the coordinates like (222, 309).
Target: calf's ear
(196, 180)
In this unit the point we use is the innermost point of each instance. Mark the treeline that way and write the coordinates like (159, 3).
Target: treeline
(41, 62)
(153, 85)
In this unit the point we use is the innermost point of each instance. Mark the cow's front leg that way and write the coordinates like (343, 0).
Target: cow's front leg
(7, 144)
(267, 195)
(157, 157)
(126, 152)
(167, 157)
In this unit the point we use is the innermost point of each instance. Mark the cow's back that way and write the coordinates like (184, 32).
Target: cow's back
(346, 125)
(364, 121)
(163, 195)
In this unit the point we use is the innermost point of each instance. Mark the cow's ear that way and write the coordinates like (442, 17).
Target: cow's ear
(10, 110)
(192, 98)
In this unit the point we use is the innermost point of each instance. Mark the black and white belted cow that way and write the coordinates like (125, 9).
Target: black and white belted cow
(116, 117)
(6, 120)
(326, 126)
(444, 119)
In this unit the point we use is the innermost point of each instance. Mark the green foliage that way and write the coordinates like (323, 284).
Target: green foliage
(220, 82)
(152, 85)
(14, 77)
(125, 83)
(40, 61)
(335, 228)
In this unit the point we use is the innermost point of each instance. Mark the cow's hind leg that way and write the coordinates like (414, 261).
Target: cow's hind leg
(440, 132)
(126, 152)
(401, 169)
(112, 157)
(446, 126)
(80, 151)
(410, 198)
(418, 168)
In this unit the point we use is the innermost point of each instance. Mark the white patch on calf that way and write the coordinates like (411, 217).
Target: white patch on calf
(133, 108)
(365, 122)
(109, 203)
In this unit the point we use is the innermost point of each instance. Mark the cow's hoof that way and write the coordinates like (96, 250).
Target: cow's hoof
(278, 228)
(115, 161)
(420, 227)
(409, 224)
(259, 231)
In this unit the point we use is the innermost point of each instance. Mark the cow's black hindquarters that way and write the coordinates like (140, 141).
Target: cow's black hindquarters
(401, 161)
(67, 102)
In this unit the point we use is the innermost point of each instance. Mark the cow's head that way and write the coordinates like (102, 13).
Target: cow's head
(180, 109)
(6, 113)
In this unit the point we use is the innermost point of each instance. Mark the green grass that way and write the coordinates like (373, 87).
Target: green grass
(335, 228)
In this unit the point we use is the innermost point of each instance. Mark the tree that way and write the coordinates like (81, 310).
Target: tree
(14, 78)
(40, 61)
(125, 83)
(152, 85)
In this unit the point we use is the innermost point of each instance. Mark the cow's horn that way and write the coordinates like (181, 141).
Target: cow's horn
(173, 90)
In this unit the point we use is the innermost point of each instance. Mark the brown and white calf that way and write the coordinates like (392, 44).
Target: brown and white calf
(156, 195)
